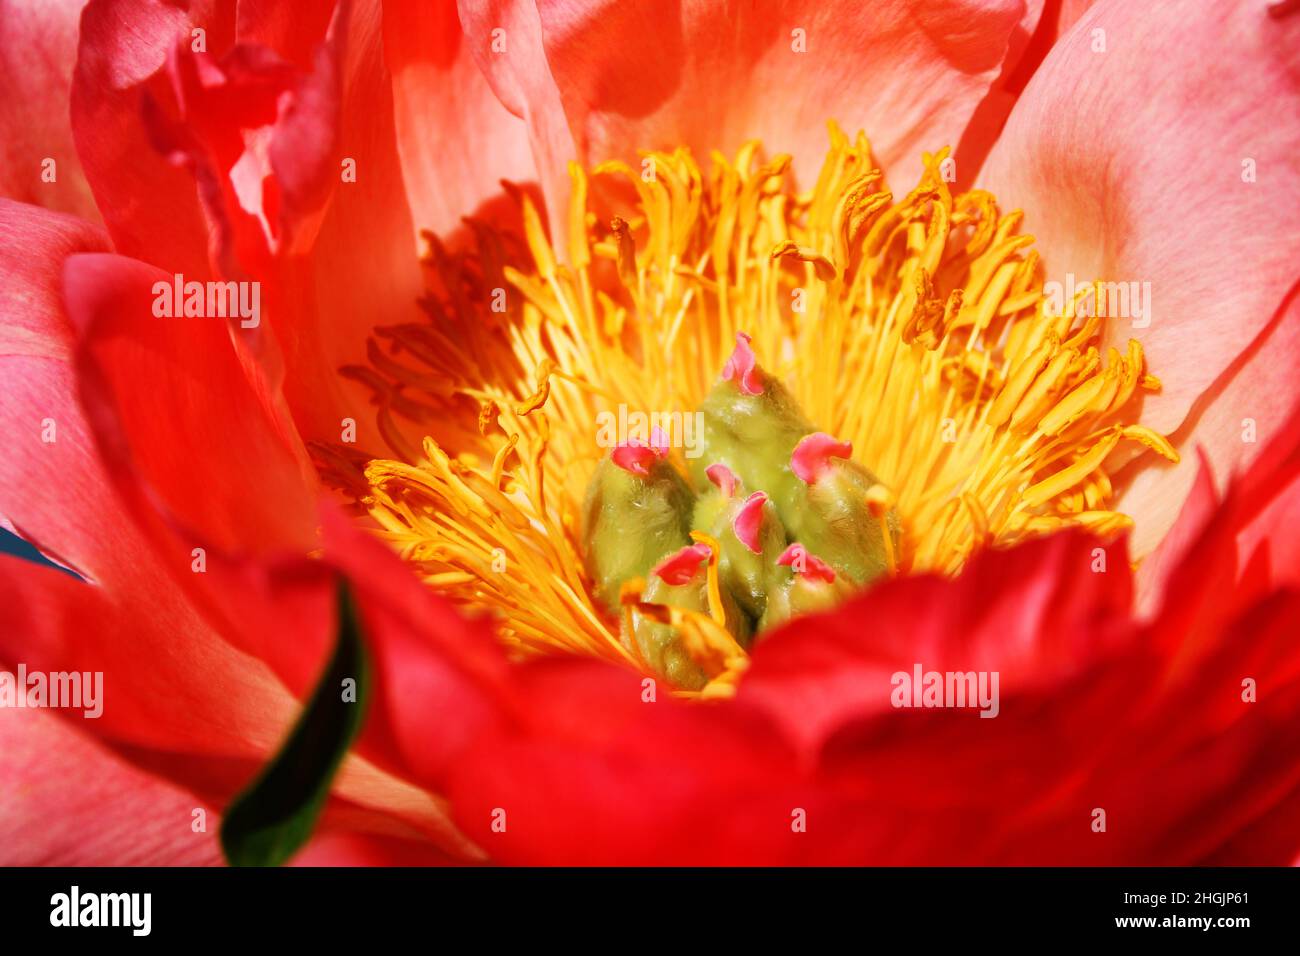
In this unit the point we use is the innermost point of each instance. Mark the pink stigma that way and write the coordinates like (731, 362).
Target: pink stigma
(682, 566)
(809, 565)
(636, 457)
(812, 456)
(741, 366)
(723, 477)
(749, 519)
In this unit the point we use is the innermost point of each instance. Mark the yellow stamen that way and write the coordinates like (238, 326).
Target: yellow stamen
(717, 610)
(879, 504)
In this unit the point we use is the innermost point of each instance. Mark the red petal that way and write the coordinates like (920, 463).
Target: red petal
(123, 46)
(219, 458)
(591, 774)
(1033, 613)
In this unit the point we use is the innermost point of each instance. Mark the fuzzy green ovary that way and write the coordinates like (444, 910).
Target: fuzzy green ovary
(755, 436)
(792, 595)
(661, 646)
(630, 522)
(835, 524)
(746, 576)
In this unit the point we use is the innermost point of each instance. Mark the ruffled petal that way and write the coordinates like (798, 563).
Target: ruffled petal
(1090, 153)
(457, 141)
(269, 154)
(1241, 413)
(1099, 720)
(220, 459)
(506, 41)
(149, 206)
(1249, 514)
(655, 76)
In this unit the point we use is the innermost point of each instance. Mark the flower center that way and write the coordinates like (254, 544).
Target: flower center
(761, 550)
(909, 337)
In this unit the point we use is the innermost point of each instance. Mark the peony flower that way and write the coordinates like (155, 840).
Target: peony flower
(314, 317)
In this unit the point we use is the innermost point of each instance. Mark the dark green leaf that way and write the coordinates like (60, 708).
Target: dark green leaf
(272, 819)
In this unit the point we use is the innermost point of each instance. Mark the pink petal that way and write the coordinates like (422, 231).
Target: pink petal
(115, 815)
(59, 495)
(1086, 153)
(1258, 508)
(630, 75)
(173, 677)
(1043, 25)
(434, 667)
(38, 46)
(169, 681)
(442, 99)
(1239, 416)
(31, 273)
(505, 40)
(348, 848)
